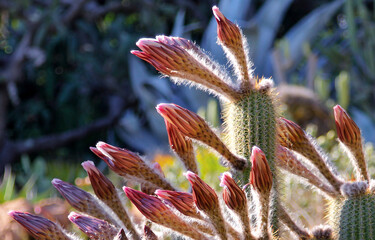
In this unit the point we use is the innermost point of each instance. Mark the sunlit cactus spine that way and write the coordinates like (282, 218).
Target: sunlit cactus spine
(258, 144)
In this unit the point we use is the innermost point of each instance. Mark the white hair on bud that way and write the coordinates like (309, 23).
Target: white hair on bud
(265, 84)
(353, 189)
(213, 67)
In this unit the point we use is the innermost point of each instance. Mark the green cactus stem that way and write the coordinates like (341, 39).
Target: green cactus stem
(251, 121)
(353, 217)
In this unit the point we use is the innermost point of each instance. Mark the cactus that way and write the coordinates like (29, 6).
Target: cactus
(259, 144)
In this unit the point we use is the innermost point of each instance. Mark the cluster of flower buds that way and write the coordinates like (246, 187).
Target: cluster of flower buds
(199, 215)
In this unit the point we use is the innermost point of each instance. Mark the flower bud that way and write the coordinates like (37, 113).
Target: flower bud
(120, 235)
(182, 201)
(94, 228)
(235, 45)
(39, 227)
(234, 197)
(347, 131)
(102, 186)
(81, 200)
(193, 126)
(181, 59)
(129, 165)
(154, 209)
(149, 234)
(182, 146)
(260, 175)
(204, 196)
(350, 135)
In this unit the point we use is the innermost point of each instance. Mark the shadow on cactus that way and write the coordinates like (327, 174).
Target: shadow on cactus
(259, 145)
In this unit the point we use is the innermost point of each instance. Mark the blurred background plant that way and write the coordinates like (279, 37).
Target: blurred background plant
(67, 79)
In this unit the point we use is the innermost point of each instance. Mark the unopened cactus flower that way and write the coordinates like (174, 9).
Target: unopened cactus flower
(94, 228)
(40, 227)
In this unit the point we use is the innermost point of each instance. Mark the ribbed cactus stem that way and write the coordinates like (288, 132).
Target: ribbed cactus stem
(250, 122)
(354, 217)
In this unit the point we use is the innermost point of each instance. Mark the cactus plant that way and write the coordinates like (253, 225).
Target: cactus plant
(259, 144)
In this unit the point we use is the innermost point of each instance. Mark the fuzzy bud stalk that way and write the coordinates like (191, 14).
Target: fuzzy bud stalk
(288, 161)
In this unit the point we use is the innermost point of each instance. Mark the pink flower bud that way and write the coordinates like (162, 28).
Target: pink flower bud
(182, 201)
(39, 227)
(179, 58)
(291, 135)
(151, 207)
(129, 165)
(94, 228)
(193, 126)
(347, 131)
(81, 200)
(234, 197)
(228, 33)
(155, 210)
(103, 187)
(204, 196)
(260, 175)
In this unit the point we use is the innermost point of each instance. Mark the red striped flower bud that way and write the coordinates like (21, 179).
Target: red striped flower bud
(291, 135)
(103, 187)
(260, 175)
(106, 191)
(193, 126)
(155, 210)
(347, 130)
(182, 146)
(204, 196)
(235, 45)
(234, 197)
(180, 58)
(228, 33)
(39, 227)
(120, 160)
(94, 228)
(151, 207)
(81, 200)
(182, 201)
(129, 165)
(350, 135)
